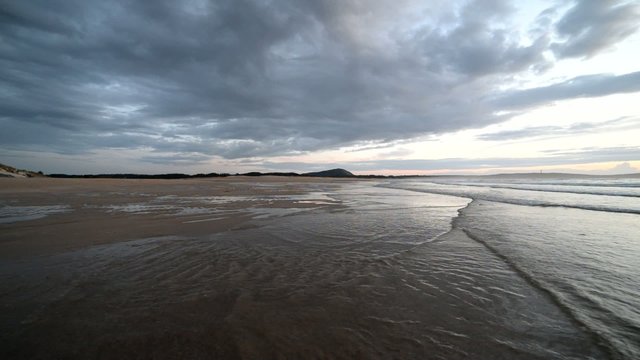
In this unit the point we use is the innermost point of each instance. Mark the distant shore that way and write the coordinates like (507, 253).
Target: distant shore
(8, 171)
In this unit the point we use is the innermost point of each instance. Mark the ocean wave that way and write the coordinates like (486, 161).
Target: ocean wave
(576, 259)
(561, 189)
(616, 207)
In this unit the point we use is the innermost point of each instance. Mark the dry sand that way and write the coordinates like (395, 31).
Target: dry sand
(77, 213)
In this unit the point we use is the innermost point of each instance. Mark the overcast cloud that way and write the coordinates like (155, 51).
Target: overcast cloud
(622, 123)
(554, 157)
(245, 78)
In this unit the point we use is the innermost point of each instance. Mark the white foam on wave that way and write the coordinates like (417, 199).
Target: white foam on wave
(585, 201)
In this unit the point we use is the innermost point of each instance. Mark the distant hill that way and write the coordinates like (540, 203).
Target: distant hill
(8, 171)
(331, 173)
(138, 176)
(11, 172)
(327, 173)
(256, 173)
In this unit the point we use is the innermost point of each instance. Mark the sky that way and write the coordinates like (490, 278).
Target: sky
(375, 86)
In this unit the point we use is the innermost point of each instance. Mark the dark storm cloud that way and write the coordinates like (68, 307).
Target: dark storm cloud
(243, 78)
(475, 47)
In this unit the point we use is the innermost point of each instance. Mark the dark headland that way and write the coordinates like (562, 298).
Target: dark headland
(9, 171)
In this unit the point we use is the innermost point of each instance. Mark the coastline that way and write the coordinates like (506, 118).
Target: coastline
(92, 216)
(319, 268)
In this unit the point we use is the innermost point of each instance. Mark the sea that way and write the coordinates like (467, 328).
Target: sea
(577, 240)
(511, 267)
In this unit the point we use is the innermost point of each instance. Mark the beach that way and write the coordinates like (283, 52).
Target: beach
(275, 267)
(102, 211)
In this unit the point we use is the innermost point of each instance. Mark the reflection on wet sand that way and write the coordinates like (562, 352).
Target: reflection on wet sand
(290, 270)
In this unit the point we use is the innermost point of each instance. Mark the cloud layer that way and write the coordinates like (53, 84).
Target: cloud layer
(246, 78)
(552, 158)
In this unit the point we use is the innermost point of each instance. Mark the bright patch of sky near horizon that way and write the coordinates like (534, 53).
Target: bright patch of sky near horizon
(413, 88)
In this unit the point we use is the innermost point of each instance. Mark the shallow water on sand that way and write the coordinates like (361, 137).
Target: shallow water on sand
(587, 260)
(11, 214)
(576, 239)
(375, 274)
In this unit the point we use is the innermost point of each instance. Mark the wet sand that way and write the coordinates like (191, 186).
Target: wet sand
(268, 268)
(103, 211)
